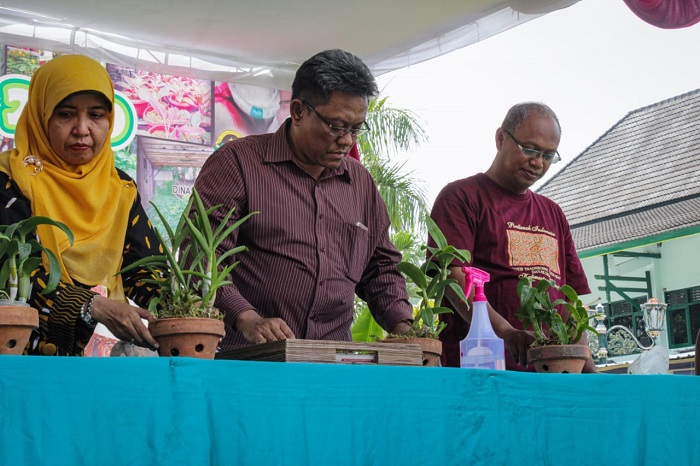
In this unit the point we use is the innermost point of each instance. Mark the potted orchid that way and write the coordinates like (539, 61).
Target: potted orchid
(188, 275)
(431, 280)
(557, 325)
(20, 255)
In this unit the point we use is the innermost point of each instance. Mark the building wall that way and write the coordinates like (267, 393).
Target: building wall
(678, 268)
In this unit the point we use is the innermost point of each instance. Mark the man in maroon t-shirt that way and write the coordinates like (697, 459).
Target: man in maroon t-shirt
(510, 230)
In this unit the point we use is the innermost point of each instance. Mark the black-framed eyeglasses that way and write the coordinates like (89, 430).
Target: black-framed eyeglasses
(339, 131)
(552, 157)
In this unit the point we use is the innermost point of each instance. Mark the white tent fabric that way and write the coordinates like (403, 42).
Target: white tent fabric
(259, 42)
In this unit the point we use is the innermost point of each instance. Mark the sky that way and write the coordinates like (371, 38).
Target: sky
(592, 63)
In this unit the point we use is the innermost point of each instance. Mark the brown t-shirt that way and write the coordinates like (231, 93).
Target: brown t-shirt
(508, 235)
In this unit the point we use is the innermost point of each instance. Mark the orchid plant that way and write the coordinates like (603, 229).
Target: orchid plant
(189, 273)
(431, 282)
(538, 312)
(20, 253)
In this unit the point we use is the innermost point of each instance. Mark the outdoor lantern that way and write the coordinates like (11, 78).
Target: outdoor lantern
(602, 354)
(654, 315)
(600, 319)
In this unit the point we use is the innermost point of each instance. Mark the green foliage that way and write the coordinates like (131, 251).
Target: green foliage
(189, 273)
(409, 244)
(366, 328)
(538, 312)
(401, 192)
(171, 209)
(431, 281)
(394, 130)
(20, 256)
(22, 61)
(125, 160)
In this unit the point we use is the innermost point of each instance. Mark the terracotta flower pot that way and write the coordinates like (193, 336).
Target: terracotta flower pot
(16, 325)
(188, 336)
(432, 348)
(559, 358)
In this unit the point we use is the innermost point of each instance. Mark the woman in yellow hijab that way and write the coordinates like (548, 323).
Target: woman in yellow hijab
(63, 167)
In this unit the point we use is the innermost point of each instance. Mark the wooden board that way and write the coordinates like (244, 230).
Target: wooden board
(332, 352)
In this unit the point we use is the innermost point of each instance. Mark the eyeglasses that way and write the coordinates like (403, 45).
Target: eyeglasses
(548, 157)
(339, 131)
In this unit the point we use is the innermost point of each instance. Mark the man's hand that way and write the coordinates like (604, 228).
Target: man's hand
(257, 329)
(401, 327)
(517, 342)
(124, 321)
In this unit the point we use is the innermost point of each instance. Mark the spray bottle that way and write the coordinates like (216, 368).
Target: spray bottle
(482, 348)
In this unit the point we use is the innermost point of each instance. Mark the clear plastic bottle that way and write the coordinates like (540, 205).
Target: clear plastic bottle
(482, 348)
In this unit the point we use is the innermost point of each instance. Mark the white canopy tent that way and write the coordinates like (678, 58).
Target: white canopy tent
(263, 41)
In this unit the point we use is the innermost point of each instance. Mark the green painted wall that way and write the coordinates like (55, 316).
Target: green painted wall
(678, 268)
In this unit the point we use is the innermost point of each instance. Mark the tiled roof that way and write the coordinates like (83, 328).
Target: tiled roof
(647, 223)
(639, 179)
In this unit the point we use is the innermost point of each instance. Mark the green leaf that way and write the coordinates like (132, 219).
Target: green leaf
(22, 255)
(569, 292)
(459, 292)
(442, 310)
(435, 233)
(538, 311)
(414, 274)
(29, 225)
(192, 271)
(366, 329)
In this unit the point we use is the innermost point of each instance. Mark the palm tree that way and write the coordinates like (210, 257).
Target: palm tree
(394, 130)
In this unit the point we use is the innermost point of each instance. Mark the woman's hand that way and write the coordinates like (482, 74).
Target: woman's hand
(124, 321)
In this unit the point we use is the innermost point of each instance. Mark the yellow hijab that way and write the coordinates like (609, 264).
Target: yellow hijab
(90, 198)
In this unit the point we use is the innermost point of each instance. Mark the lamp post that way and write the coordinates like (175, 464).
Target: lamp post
(654, 317)
(654, 313)
(602, 354)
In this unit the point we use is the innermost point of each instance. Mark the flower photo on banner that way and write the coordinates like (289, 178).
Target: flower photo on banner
(167, 107)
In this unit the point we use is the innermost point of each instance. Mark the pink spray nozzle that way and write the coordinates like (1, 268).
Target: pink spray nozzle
(475, 277)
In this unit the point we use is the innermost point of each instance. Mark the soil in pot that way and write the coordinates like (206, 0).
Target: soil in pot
(190, 336)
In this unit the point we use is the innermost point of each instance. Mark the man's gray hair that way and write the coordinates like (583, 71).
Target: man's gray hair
(518, 113)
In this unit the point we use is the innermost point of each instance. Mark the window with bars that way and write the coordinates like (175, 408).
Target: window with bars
(682, 316)
(624, 313)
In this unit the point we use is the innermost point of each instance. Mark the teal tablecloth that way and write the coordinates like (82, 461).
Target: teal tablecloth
(153, 411)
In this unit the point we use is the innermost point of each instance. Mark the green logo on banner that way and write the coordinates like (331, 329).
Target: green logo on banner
(14, 89)
(124, 121)
(14, 92)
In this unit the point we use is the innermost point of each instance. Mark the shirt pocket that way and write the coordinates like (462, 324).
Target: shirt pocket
(357, 251)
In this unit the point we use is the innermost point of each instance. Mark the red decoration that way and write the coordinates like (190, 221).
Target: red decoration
(667, 14)
(354, 152)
